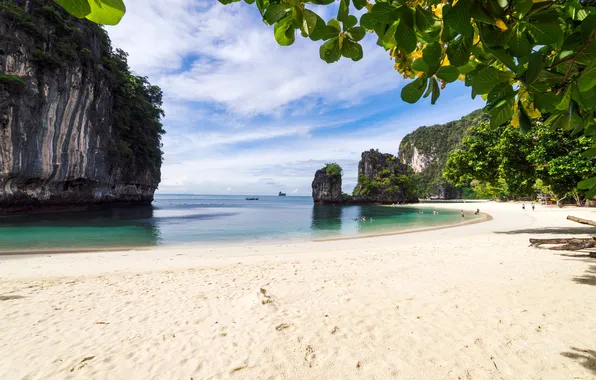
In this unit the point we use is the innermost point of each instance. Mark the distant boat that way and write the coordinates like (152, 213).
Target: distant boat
(281, 194)
(252, 198)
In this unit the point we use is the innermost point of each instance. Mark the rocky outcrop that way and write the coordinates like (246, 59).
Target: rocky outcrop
(382, 179)
(59, 142)
(427, 149)
(326, 189)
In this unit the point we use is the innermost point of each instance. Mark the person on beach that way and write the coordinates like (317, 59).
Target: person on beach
(533, 207)
(462, 214)
(523, 206)
(477, 211)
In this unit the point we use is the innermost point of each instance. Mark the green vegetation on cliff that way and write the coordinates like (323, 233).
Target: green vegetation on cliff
(427, 149)
(58, 41)
(333, 170)
(382, 178)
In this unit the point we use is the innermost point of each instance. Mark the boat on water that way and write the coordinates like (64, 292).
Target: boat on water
(252, 198)
(281, 194)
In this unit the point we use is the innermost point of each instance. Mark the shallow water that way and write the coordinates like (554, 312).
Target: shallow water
(179, 219)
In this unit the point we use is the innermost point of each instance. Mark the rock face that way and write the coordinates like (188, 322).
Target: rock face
(58, 144)
(382, 179)
(427, 149)
(326, 189)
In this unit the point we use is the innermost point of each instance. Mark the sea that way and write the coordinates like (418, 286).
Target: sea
(210, 220)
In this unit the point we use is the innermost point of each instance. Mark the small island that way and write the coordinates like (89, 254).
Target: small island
(382, 179)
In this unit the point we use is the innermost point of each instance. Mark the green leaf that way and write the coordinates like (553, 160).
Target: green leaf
(297, 17)
(588, 78)
(429, 90)
(545, 102)
(586, 100)
(352, 50)
(523, 6)
(588, 54)
(352, 21)
(320, 30)
(524, 121)
(590, 153)
(249, 1)
(468, 67)
(405, 37)
(106, 12)
(432, 56)
(284, 31)
(519, 45)
(502, 55)
(330, 51)
(480, 14)
(459, 18)
(436, 91)
(334, 23)
(503, 91)
(388, 39)
(276, 12)
(448, 73)
(359, 4)
(592, 191)
(357, 33)
(344, 9)
(309, 22)
(426, 21)
(587, 184)
(492, 36)
(420, 65)
(381, 12)
(534, 67)
(485, 80)
(458, 51)
(77, 8)
(501, 114)
(261, 4)
(369, 21)
(546, 33)
(412, 92)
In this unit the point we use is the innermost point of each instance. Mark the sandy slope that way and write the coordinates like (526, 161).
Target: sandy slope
(470, 302)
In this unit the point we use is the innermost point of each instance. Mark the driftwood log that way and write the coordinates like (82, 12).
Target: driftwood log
(570, 244)
(582, 221)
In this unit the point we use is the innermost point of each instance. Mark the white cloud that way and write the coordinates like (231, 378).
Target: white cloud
(244, 115)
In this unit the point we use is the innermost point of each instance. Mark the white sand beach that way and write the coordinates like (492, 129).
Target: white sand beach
(468, 302)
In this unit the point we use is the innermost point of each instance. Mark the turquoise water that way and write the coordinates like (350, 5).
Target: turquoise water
(179, 219)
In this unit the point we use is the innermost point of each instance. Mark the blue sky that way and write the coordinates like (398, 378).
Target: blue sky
(246, 116)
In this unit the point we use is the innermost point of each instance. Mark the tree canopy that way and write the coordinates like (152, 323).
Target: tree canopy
(504, 163)
(529, 59)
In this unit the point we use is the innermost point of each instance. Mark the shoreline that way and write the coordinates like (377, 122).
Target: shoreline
(468, 302)
(281, 240)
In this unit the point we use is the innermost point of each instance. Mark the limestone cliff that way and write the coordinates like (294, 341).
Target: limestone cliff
(382, 179)
(76, 127)
(426, 150)
(326, 188)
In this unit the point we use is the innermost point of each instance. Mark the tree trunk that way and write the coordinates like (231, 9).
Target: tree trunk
(582, 221)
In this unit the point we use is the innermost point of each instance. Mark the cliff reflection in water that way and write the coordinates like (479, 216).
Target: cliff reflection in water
(101, 227)
(326, 219)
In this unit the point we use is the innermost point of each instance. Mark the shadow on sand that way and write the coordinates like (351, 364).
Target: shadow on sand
(587, 358)
(589, 278)
(553, 230)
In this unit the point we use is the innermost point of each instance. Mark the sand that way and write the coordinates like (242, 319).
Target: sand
(469, 302)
